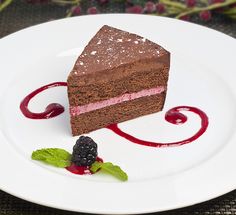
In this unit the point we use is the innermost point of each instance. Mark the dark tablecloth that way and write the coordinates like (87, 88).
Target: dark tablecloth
(18, 16)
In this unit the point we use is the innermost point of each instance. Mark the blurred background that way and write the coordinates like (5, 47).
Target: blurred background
(216, 14)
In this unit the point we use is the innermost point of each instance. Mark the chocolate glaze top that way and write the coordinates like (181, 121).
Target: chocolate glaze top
(111, 48)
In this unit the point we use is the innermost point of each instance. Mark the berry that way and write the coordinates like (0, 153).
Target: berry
(92, 10)
(190, 3)
(205, 15)
(149, 7)
(160, 8)
(134, 9)
(84, 152)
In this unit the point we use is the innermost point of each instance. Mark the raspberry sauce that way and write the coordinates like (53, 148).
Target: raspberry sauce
(172, 116)
(51, 110)
(82, 170)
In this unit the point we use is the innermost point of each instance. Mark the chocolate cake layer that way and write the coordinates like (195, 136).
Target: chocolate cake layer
(121, 71)
(80, 95)
(93, 120)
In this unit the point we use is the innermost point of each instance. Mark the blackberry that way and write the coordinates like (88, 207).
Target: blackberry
(84, 152)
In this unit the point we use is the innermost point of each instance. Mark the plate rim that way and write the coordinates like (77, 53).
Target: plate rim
(9, 37)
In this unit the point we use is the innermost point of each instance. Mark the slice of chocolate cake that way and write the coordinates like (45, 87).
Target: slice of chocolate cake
(119, 76)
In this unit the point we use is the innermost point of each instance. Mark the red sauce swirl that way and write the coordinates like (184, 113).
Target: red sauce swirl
(52, 110)
(174, 116)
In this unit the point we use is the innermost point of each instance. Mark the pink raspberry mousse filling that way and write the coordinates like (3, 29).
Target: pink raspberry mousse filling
(77, 110)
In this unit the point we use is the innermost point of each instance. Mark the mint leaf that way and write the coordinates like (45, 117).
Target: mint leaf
(110, 168)
(96, 166)
(53, 156)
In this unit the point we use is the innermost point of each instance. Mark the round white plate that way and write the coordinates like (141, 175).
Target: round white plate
(202, 75)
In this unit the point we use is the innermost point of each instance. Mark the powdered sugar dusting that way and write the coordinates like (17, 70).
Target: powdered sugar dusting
(112, 48)
(144, 40)
(93, 52)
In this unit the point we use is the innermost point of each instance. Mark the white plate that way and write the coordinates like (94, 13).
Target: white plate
(202, 75)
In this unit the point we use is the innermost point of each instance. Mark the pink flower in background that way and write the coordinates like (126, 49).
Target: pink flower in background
(92, 10)
(185, 18)
(149, 7)
(76, 10)
(205, 15)
(160, 8)
(134, 9)
(190, 3)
